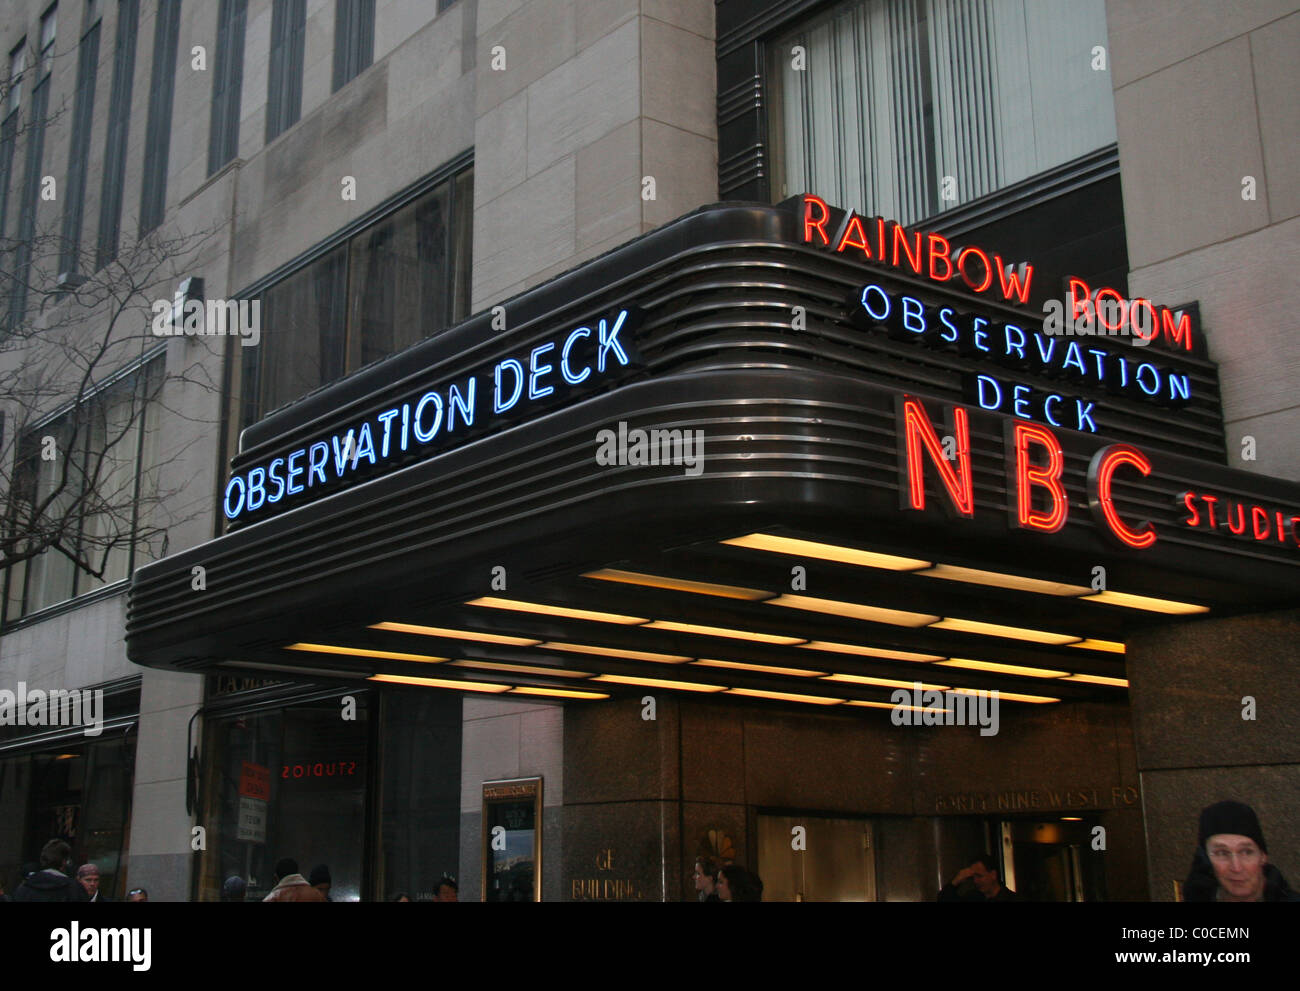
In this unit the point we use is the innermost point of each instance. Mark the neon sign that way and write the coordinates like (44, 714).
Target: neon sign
(932, 256)
(440, 418)
(1022, 349)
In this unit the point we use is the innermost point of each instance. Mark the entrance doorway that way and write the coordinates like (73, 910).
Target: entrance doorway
(1053, 860)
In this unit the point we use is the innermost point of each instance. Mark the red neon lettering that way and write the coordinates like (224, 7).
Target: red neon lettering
(880, 238)
(1280, 537)
(1101, 311)
(988, 268)
(1182, 333)
(1136, 322)
(1048, 477)
(819, 225)
(1012, 289)
(1189, 500)
(910, 249)
(1240, 526)
(1256, 513)
(1209, 507)
(1295, 534)
(939, 250)
(1100, 475)
(918, 431)
(853, 236)
(1080, 298)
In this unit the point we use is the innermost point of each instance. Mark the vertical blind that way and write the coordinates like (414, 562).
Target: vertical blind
(906, 108)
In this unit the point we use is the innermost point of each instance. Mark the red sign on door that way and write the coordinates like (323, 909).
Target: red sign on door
(254, 780)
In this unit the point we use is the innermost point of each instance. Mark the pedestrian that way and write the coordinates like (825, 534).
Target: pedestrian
(978, 882)
(705, 877)
(234, 889)
(736, 884)
(88, 878)
(51, 883)
(137, 895)
(291, 886)
(446, 889)
(1231, 859)
(321, 881)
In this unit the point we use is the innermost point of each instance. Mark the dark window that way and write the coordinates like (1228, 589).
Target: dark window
(30, 195)
(119, 120)
(284, 85)
(354, 39)
(227, 84)
(8, 133)
(158, 130)
(402, 278)
(79, 148)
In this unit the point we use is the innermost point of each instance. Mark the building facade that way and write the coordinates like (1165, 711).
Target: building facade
(401, 595)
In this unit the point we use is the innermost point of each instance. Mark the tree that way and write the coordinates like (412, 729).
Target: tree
(84, 382)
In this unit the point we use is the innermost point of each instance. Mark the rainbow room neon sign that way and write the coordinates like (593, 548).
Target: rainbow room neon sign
(879, 242)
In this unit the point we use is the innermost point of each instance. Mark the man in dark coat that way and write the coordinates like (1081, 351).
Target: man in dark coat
(1231, 860)
(985, 885)
(51, 884)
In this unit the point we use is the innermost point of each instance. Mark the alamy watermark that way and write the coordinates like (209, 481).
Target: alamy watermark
(211, 318)
(56, 707)
(916, 706)
(637, 447)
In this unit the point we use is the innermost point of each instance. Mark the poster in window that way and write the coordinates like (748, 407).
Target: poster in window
(512, 840)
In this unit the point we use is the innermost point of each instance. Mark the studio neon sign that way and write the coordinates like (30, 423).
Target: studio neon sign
(440, 418)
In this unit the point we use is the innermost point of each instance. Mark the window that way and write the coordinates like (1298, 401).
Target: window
(79, 147)
(22, 255)
(88, 481)
(227, 84)
(354, 39)
(158, 131)
(119, 119)
(905, 108)
(396, 281)
(17, 65)
(284, 85)
(9, 128)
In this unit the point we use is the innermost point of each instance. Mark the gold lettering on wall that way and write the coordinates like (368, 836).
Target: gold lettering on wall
(1038, 799)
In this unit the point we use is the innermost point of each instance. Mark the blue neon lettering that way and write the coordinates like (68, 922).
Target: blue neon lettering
(497, 405)
(610, 341)
(270, 474)
(387, 420)
(1085, 415)
(1180, 387)
(256, 484)
(1019, 346)
(538, 371)
(866, 306)
(1155, 386)
(1047, 408)
(913, 315)
(564, 358)
(365, 446)
(980, 382)
(406, 423)
(422, 436)
(1046, 355)
(980, 338)
(231, 514)
(293, 472)
(316, 466)
(341, 453)
(1101, 363)
(458, 402)
(943, 319)
(1074, 356)
(1021, 400)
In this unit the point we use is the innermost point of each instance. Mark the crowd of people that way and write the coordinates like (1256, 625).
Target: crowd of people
(1230, 864)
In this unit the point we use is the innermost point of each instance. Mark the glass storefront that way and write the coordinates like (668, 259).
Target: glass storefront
(310, 778)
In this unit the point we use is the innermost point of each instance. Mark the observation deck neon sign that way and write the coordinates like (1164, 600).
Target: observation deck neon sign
(439, 419)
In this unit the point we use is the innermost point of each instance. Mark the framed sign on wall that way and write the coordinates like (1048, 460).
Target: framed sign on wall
(512, 840)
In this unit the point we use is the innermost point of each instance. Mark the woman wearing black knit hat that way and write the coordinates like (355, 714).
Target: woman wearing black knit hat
(1231, 861)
